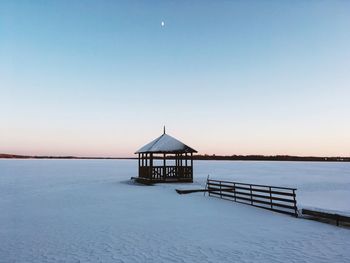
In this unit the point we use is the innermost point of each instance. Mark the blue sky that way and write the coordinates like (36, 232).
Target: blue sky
(226, 77)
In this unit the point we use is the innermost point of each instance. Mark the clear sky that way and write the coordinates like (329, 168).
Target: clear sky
(226, 77)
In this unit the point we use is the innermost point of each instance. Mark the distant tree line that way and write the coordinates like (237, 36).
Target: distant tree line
(203, 157)
(271, 158)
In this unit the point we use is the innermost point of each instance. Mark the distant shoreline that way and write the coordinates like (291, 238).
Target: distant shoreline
(15, 156)
(198, 157)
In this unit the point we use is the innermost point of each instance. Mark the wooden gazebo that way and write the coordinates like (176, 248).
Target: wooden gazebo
(164, 160)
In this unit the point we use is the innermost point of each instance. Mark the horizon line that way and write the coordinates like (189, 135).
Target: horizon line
(233, 157)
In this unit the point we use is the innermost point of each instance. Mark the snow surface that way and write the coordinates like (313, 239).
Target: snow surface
(88, 211)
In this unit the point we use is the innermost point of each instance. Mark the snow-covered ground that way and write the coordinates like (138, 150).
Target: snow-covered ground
(88, 211)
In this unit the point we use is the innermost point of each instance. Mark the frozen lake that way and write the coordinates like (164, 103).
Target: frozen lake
(88, 211)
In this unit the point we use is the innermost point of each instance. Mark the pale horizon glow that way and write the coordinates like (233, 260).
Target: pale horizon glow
(101, 78)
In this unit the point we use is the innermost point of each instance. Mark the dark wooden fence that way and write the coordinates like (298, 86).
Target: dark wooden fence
(278, 199)
(327, 216)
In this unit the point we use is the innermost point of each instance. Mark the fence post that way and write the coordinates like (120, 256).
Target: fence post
(234, 191)
(206, 186)
(270, 197)
(251, 194)
(295, 204)
(209, 187)
(220, 190)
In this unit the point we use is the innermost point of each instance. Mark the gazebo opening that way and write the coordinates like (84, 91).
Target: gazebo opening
(164, 160)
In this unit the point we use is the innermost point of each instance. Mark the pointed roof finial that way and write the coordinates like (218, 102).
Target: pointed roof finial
(164, 129)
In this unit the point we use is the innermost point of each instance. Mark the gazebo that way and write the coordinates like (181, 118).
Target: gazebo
(165, 160)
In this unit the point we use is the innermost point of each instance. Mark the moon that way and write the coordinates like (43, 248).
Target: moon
(162, 24)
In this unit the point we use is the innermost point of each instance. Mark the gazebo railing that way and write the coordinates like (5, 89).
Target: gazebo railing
(165, 172)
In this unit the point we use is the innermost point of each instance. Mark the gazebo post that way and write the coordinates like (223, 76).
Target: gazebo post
(151, 164)
(164, 166)
(142, 170)
(185, 168)
(146, 164)
(177, 163)
(192, 166)
(139, 159)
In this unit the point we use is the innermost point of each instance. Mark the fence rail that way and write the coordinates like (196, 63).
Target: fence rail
(327, 215)
(278, 199)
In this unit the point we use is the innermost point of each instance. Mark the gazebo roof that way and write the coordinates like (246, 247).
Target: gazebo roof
(166, 144)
